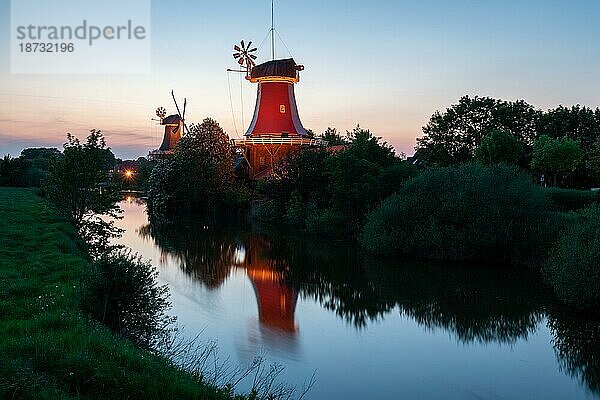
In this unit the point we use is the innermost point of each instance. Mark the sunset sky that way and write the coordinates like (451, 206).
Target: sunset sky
(381, 64)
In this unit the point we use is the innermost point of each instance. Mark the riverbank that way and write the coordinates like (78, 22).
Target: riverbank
(47, 348)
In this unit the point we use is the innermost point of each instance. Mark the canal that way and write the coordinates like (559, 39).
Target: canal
(368, 328)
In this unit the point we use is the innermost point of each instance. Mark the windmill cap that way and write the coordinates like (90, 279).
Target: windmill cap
(285, 68)
(171, 119)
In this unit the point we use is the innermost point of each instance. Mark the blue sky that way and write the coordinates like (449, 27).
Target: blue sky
(384, 65)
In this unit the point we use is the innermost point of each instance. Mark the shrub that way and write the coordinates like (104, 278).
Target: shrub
(121, 292)
(328, 222)
(573, 269)
(571, 200)
(470, 212)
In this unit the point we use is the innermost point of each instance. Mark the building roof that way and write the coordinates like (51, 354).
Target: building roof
(284, 68)
(171, 119)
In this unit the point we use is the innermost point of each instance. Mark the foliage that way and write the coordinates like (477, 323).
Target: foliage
(453, 136)
(556, 156)
(30, 169)
(121, 292)
(593, 160)
(499, 147)
(573, 270)
(333, 137)
(571, 199)
(469, 212)
(329, 193)
(48, 350)
(578, 123)
(145, 168)
(199, 175)
(12, 171)
(78, 185)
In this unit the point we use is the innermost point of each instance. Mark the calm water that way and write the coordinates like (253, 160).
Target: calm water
(369, 328)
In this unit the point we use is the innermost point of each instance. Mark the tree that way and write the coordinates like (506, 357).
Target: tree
(499, 147)
(12, 171)
(333, 137)
(556, 156)
(577, 123)
(593, 158)
(452, 137)
(356, 174)
(199, 175)
(78, 184)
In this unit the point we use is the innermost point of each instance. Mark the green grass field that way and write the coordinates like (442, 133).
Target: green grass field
(48, 350)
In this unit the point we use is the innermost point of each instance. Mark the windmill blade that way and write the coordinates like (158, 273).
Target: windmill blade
(251, 50)
(249, 44)
(184, 106)
(241, 61)
(242, 43)
(252, 56)
(237, 48)
(236, 55)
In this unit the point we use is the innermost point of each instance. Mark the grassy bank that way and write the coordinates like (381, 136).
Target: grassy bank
(47, 349)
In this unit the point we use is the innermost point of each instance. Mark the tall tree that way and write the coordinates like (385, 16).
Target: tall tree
(451, 137)
(556, 156)
(593, 159)
(199, 174)
(499, 147)
(578, 123)
(79, 185)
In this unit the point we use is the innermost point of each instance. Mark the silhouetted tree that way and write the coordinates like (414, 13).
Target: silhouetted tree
(499, 147)
(451, 137)
(79, 186)
(199, 175)
(556, 156)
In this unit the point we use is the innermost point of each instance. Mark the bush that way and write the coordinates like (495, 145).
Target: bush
(470, 212)
(573, 269)
(571, 200)
(328, 222)
(121, 292)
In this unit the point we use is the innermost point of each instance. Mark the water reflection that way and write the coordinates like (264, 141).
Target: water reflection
(476, 305)
(576, 343)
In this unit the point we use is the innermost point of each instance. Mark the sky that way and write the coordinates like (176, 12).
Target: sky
(385, 65)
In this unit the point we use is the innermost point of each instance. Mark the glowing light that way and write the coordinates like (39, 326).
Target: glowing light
(128, 174)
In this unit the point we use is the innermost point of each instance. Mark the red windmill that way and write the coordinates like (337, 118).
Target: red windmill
(174, 130)
(275, 131)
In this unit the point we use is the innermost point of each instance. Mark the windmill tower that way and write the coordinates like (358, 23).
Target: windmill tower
(173, 131)
(275, 131)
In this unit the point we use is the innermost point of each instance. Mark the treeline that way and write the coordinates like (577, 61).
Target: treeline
(30, 169)
(561, 143)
